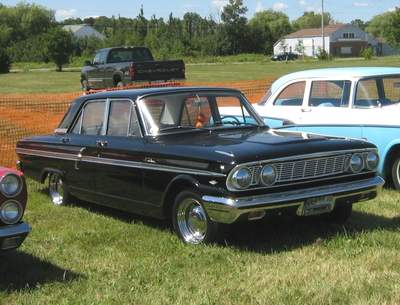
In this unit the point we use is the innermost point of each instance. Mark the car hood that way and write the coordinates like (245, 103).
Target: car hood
(246, 145)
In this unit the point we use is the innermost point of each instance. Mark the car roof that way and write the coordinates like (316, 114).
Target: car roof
(134, 93)
(350, 72)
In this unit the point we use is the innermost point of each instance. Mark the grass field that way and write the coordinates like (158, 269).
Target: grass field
(83, 254)
(50, 81)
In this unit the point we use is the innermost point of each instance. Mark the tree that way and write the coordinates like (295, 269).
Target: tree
(59, 47)
(386, 25)
(234, 25)
(359, 23)
(5, 61)
(311, 20)
(270, 26)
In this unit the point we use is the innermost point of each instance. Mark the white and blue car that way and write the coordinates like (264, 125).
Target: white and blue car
(359, 103)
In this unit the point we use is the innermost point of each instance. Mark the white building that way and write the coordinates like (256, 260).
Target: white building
(83, 31)
(340, 40)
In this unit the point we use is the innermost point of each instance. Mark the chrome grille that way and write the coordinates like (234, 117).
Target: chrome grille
(304, 169)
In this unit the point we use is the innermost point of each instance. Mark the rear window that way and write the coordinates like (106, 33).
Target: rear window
(378, 92)
(128, 55)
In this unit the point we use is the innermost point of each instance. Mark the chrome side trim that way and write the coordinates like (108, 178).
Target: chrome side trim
(12, 230)
(123, 163)
(46, 154)
(228, 210)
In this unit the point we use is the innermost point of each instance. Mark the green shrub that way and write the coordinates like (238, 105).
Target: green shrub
(367, 53)
(5, 61)
(323, 55)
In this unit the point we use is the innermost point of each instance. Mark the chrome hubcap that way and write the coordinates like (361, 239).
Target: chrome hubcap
(56, 189)
(192, 221)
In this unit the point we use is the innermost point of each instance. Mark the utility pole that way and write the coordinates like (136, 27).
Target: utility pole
(322, 25)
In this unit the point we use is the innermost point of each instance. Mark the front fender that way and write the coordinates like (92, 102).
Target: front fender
(385, 153)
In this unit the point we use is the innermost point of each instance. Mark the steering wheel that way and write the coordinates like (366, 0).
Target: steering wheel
(235, 120)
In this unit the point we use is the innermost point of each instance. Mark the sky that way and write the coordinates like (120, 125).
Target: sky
(341, 10)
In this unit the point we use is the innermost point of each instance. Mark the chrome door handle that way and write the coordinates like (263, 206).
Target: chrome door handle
(65, 140)
(305, 109)
(79, 157)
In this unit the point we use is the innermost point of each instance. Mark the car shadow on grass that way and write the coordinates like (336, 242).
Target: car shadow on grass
(20, 270)
(279, 234)
(273, 233)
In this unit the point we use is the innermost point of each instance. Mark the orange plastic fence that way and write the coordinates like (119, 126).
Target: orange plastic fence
(23, 115)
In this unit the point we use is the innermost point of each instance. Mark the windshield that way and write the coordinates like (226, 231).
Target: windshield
(378, 92)
(196, 111)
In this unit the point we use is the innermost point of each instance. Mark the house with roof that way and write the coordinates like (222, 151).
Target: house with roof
(83, 31)
(341, 40)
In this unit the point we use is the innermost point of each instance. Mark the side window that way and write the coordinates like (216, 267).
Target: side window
(100, 58)
(97, 59)
(330, 93)
(118, 122)
(292, 95)
(367, 94)
(93, 118)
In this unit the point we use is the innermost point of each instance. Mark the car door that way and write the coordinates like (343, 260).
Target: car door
(96, 73)
(326, 109)
(119, 178)
(80, 176)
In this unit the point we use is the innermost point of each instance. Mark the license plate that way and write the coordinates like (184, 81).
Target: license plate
(318, 205)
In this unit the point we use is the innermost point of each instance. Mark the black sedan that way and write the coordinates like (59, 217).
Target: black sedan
(178, 154)
(285, 57)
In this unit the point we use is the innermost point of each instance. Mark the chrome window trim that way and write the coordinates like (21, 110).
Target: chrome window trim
(82, 111)
(116, 162)
(133, 108)
(294, 158)
(21, 185)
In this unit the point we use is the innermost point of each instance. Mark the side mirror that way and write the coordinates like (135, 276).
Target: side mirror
(88, 63)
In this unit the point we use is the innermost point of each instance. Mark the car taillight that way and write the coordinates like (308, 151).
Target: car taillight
(132, 71)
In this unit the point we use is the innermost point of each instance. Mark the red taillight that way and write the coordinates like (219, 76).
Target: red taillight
(132, 71)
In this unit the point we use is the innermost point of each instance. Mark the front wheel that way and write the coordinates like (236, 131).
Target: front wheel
(396, 173)
(57, 190)
(191, 222)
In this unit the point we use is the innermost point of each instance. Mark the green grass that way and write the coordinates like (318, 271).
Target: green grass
(51, 81)
(83, 254)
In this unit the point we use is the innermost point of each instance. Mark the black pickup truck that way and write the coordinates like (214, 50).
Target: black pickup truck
(118, 67)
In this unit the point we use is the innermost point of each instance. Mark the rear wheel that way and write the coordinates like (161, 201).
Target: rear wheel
(58, 190)
(396, 173)
(191, 222)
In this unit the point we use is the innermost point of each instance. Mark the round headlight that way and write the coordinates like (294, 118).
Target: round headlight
(10, 185)
(10, 212)
(356, 163)
(268, 175)
(241, 178)
(372, 160)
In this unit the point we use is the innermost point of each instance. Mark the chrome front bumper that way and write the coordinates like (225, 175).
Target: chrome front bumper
(228, 210)
(12, 236)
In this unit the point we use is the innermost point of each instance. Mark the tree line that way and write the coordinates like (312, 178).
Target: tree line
(29, 32)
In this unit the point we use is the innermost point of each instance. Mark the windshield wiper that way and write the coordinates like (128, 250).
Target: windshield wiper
(180, 127)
